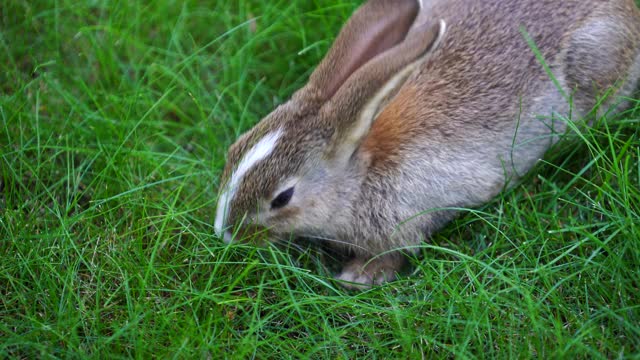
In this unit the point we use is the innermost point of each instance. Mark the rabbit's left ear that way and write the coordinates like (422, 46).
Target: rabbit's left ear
(374, 28)
(355, 105)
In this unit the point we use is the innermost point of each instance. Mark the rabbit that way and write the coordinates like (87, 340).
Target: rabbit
(419, 108)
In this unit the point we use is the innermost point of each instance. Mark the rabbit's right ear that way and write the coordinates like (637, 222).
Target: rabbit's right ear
(374, 28)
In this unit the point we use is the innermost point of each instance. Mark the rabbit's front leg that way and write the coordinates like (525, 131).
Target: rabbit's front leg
(362, 272)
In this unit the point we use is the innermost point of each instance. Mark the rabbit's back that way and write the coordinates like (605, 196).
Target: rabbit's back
(483, 108)
(485, 79)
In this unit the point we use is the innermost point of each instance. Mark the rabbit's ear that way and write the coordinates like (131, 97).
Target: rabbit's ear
(356, 104)
(374, 28)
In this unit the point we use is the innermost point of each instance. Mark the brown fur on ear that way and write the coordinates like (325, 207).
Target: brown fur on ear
(394, 65)
(357, 103)
(374, 28)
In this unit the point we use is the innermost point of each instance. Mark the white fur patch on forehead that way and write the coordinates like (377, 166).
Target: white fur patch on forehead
(258, 152)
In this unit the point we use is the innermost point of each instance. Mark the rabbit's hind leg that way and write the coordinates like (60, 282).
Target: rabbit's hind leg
(603, 59)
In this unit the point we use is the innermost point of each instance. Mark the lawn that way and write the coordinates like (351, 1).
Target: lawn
(114, 124)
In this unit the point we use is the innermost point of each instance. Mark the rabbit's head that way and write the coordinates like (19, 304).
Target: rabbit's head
(299, 169)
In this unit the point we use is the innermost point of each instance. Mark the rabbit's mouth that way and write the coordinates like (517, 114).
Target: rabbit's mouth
(227, 237)
(247, 234)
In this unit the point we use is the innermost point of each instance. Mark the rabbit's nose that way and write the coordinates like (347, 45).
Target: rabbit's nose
(227, 237)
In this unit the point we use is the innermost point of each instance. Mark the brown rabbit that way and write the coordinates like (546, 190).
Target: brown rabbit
(419, 107)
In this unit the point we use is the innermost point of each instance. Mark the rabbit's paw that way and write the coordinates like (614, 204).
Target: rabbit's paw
(363, 273)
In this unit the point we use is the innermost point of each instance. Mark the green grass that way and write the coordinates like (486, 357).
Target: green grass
(114, 123)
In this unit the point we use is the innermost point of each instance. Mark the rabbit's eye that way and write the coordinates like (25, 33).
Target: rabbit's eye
(282, 199)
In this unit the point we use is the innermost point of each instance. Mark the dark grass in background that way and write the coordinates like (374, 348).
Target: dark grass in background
(114, 123)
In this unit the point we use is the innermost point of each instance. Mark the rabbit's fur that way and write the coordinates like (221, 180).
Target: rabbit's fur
(421, 106)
